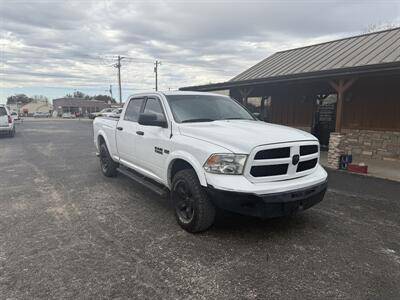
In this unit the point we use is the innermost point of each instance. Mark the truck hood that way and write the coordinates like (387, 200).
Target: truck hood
(241, 136)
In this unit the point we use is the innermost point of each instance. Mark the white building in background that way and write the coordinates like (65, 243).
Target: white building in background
(36, 106)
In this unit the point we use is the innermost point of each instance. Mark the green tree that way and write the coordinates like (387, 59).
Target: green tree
(40, 98)
(19, 98)
(79, 94)
(381, 26)
(104, 98)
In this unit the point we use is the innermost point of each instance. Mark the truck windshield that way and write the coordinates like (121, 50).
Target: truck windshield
(206, 108)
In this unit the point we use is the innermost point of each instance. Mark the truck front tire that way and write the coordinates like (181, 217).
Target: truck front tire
(107, 164)
(194, 211)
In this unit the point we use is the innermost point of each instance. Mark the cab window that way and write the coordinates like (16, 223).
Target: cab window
(133, 110)
(153, 106)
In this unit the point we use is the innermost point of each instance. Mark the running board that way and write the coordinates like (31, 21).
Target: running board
(155, 187)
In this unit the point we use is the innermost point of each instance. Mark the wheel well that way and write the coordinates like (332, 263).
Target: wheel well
(179, 165)
(101, 140)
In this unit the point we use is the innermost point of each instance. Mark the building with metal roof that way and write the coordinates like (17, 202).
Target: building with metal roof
(354, 54)
(346, 86)
(79, 106)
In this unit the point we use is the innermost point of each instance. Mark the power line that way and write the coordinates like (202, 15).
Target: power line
(107, 60)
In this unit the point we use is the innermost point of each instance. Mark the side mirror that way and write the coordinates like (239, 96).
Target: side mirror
(151, 120)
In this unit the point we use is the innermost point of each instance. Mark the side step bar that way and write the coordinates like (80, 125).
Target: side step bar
(155, 187)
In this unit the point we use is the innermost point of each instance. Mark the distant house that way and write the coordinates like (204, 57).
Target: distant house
(78, 105)
(346, 92)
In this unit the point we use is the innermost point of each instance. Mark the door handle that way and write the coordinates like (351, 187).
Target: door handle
(120, 128)
(139, 132)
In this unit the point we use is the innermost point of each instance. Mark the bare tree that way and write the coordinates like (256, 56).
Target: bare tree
(40, 98)
(381, 26)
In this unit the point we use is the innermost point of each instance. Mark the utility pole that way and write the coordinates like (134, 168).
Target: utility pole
(110, 90)
(118, 66)
(156, 64)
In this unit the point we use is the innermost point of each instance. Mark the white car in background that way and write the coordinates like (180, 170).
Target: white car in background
(15, 116)
(100, 113)
(7, 124)
(41, 115)
(68, 115)
(113, 114)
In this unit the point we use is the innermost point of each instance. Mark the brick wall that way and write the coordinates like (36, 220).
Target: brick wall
(371, 144)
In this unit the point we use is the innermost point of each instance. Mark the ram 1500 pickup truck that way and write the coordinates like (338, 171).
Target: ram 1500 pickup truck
(207, 151)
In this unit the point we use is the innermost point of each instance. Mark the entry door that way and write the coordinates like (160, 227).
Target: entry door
(325, 120)
(126, 136)
(155, 141)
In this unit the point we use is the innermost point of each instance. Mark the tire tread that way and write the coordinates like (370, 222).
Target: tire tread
(205, 209)
(112, 169)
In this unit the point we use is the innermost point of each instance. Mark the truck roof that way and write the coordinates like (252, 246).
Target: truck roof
(172, 93)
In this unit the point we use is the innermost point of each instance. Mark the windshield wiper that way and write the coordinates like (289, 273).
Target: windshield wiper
(236, 118)
(197, 120)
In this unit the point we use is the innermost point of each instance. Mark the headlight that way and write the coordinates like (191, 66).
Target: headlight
(229, 164)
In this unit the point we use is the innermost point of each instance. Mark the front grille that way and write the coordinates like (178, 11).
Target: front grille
(268, 170)
(306, 165)
(308, 149)
(273, 153)
(275, 161)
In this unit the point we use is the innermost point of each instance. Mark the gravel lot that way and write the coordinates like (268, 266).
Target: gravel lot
(68, 232)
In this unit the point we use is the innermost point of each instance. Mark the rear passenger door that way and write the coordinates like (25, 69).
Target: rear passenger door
(126, 133)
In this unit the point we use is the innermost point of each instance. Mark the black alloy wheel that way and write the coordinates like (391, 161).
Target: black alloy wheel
(184, 202)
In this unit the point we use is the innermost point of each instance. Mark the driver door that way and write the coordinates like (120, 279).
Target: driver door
(154, 144)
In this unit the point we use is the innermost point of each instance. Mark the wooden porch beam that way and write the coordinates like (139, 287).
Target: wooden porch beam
(245, 93)
(340, 87)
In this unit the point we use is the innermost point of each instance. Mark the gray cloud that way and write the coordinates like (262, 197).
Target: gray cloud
(66, 43)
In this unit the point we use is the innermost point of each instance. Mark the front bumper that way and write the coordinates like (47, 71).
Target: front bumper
(268, 205)
(240, 184)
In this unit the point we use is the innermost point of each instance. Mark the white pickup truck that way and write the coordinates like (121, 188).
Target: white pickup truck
(207, 151)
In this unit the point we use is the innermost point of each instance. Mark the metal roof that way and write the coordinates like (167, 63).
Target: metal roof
(354, 52)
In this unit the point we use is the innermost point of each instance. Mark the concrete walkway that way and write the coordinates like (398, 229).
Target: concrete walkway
(376, 168)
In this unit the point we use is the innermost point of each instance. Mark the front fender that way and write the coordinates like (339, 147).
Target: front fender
(189, 158)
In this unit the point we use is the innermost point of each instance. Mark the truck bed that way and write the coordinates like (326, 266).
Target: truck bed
(107, 126)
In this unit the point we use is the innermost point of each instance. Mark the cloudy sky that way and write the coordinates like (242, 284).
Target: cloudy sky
(56, 47)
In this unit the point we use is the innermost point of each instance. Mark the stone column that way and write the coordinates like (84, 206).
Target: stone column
(334, 151)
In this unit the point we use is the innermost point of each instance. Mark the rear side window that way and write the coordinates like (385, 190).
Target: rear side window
(133, 110)
(3, 111)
